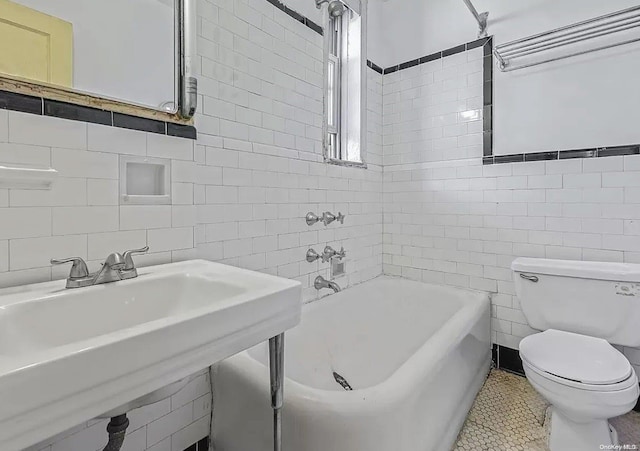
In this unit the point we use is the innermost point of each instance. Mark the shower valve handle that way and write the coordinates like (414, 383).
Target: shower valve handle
(328, 218)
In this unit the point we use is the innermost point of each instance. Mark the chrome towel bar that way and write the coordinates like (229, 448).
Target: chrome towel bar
(513, 55)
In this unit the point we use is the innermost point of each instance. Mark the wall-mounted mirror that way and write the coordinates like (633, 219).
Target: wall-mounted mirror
(123, 50)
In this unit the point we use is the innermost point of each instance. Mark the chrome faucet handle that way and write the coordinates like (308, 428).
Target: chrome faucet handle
(312, 255)
(328, 254)
(328, 218)
(311, 218)
(340, 218)
(79, 269)
(128, 260)
(342, 254)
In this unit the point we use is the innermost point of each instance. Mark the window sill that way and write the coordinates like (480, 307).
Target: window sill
(351, 164)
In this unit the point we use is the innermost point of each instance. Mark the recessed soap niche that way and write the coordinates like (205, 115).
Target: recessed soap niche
(145, 181)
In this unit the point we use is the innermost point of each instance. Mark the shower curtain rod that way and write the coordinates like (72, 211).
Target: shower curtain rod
(481, 18)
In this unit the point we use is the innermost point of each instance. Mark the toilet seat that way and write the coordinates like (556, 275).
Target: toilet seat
(631, 381)
(576, 360)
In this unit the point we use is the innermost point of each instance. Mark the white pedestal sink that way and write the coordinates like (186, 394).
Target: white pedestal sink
(67, 356)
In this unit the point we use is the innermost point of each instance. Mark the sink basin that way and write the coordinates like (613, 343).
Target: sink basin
(67, 356)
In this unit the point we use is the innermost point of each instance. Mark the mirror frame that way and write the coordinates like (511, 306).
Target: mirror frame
(186, 86)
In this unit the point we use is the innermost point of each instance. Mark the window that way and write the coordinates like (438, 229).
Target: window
(345, 91)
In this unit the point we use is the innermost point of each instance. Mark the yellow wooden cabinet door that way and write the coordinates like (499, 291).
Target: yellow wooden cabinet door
(34, 45)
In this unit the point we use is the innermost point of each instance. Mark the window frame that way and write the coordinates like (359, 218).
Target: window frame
(335, 138)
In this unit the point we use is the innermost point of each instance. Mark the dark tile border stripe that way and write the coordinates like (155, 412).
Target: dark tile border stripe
(596, 152)
(202, 445)
(139, 123)
(77, 113)
(443, 54)
(54, 108)
(375, 67)
(20, 102)
(297, 16)
(509, 360)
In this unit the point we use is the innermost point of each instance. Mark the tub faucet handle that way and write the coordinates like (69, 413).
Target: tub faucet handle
(312, 218)
(328, 218)
(340, 218)
(342, 254)
(312, 255)
(328, 254)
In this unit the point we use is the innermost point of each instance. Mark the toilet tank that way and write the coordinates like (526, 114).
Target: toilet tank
(590, 298)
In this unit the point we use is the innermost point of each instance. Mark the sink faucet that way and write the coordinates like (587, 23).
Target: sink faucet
(321, 283)
(116, 267)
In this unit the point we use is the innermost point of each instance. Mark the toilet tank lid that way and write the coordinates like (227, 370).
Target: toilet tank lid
(620, 272)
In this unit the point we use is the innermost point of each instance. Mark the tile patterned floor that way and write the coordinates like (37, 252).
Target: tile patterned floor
(509, 415)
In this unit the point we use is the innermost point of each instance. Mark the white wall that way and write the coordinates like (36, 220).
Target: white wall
(583, 102)
(449, 219)
(123, 49)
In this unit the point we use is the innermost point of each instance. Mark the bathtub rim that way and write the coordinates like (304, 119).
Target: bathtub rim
(399, 383)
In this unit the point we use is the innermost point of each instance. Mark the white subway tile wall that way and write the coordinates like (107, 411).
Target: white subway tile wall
(240, 192)
(450, 220)
(260, 160)
(81, 215)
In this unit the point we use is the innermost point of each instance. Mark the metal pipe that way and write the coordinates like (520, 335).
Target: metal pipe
(188, 83)
(117, 429)
(473, 9)
(276, 367)
(481, 18)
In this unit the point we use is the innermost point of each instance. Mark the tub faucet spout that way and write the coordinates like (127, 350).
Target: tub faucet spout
(321, 283)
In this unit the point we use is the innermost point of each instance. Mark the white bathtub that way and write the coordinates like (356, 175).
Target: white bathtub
(415, 355)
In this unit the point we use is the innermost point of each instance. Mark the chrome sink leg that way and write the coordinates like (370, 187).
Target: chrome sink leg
(276, 364)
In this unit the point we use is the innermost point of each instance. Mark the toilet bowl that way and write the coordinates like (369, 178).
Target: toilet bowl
(586, 381)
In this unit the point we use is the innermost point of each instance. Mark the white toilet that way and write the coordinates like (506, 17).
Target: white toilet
(582, 308)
